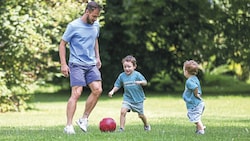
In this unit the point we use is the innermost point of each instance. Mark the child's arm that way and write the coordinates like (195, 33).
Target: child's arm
(196, 94)
(115, 89)
(143, 82)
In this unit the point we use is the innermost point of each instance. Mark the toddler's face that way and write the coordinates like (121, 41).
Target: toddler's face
(128, 67)
(185, 73)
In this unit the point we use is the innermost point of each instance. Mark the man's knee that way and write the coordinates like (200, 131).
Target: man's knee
(76, 92)
(97, 91)
(96, 88)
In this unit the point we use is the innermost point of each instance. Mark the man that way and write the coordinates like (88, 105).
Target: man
(84, 63)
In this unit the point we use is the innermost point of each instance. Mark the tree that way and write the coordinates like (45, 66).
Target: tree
(163, 34)
(30, 32)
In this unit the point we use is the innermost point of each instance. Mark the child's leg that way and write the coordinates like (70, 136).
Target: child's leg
(123, 117)
(144, 119)
(199, 125)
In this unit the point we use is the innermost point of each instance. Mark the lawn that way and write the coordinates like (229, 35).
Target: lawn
(227, 118)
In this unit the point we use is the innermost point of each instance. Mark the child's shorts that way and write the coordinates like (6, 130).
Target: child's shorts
(194, 114)
(135, 107)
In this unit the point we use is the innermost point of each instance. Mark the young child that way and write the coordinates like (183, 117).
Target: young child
(133, 97)
(192, 95)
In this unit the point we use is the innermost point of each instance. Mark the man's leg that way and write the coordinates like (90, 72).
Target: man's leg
(71, 107)
(96, 90)
(72, 102)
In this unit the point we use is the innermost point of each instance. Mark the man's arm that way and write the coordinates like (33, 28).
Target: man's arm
(97, 55)
(62, 55)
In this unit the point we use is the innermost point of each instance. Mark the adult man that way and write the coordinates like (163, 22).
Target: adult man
(84, 63)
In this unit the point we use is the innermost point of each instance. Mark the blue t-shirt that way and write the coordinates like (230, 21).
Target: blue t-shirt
(188, 94)
(81, 38)
(133, 93)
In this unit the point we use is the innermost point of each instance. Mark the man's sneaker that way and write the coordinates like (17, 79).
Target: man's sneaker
(69, 129)
(83, 124)
(120, 130)
(147, 128)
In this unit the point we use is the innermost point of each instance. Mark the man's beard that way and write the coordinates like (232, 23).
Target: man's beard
(89, 21)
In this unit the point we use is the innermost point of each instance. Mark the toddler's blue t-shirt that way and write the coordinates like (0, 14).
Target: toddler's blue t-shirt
(188, 94)
(133, 93)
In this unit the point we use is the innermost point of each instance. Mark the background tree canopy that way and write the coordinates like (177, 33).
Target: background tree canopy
(160, 34)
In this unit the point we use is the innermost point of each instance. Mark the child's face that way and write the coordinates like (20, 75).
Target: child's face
(128, 67)
(185, 72)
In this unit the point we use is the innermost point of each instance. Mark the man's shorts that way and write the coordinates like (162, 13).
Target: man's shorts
(83, 75)
(135, 107)
(194, 114)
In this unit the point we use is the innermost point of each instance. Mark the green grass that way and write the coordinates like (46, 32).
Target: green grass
(227, 119)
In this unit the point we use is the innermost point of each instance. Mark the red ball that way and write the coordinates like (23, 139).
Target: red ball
(107, 125)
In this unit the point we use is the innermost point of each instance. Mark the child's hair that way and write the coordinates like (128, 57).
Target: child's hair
(129, 58)
(191, 67)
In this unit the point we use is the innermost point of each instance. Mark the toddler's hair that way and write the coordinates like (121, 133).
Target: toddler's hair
(191, 67)
(129, 58)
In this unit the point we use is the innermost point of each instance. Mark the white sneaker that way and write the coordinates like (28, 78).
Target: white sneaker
(69, 129)
(147, 128)
(83, 124)
(202, 132)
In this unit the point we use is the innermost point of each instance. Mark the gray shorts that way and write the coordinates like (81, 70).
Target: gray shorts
(194, 114)
(83, 75)
(135, 107)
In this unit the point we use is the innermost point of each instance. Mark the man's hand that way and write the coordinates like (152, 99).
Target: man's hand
(98, 63)
(65, 70)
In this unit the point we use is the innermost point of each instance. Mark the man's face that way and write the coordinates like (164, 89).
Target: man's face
(92, 16)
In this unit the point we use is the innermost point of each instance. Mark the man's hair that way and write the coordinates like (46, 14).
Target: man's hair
(131, 59)
(91, 6)
(191, 67)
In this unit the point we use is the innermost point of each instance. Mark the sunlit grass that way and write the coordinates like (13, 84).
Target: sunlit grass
(226, 118)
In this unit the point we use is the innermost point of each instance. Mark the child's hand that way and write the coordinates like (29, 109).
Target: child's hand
(137, 82)
(110, 94)
(143, 83)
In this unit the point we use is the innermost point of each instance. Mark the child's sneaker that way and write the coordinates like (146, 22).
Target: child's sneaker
(83, 124)
(147, 128)
(202, 132)
(69, 129)
(204, 127)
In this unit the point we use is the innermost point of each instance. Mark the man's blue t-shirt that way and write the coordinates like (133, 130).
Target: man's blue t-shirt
(188, 94)
(81, 38)
(133, 93)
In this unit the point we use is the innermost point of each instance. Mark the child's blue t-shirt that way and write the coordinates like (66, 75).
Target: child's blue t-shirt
(81, 38)
(188, 94)
(133, 93)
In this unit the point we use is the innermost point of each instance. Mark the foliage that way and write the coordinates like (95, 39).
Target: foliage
(232, 34)
(163, 34)
(161, 37)
(29, 34)
(162, 82)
